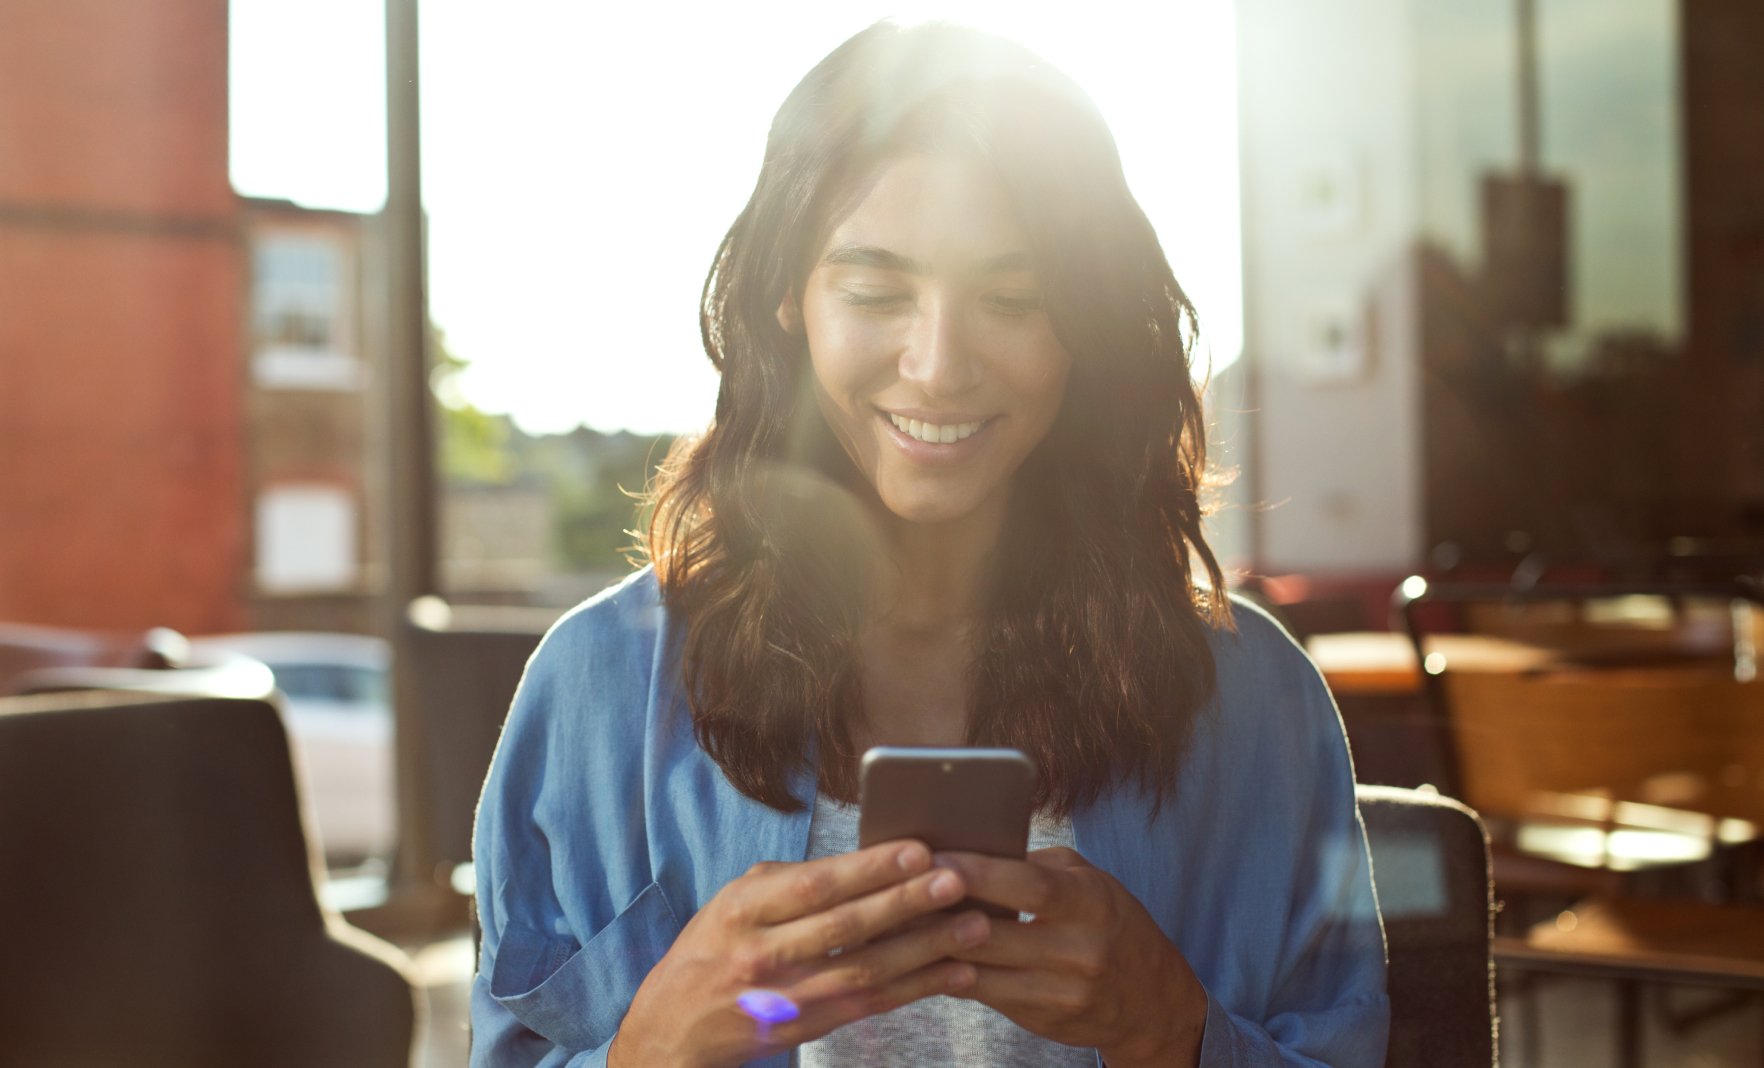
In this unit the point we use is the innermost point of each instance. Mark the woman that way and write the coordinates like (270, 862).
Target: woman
(951, 496)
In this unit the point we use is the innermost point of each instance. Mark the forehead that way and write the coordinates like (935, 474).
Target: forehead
(935, 210)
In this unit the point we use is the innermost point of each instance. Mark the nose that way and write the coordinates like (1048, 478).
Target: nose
(939, 356)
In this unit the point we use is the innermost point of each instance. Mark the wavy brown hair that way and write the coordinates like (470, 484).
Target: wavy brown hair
(1093, 654)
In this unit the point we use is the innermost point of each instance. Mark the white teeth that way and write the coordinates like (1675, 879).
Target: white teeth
(933, 433)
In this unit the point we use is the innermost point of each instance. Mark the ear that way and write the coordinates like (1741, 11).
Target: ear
(790, 313)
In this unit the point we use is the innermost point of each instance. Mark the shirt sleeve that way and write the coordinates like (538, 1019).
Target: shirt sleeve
(505, 840)
(513, 958)
(1327, 1004)
(571, 918)
(499, 1040)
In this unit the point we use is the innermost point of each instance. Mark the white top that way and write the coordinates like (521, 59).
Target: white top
(934, 1030)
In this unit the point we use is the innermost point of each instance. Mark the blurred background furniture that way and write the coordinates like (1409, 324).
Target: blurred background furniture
(37, 659)
(1623, 769)
(1633, 941)
(332, 690)
(1430, 864)
(337, 703)
(26, 647)
(158, 906)
(1597, 727)
(1617, 765)
(468, 661)
(1377, 683)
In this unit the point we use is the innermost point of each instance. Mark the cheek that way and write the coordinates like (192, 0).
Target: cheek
(856, 332)
(1040, 377)
(847, 356)
(835, 375)
(839, 399)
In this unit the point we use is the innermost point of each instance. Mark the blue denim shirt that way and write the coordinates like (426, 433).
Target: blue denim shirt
(604, 827)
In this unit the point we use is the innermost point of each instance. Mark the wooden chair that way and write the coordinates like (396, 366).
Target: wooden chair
(158, 904)
(1624, 630)
(1621, 770)
(1618, 769)
(1601, 791)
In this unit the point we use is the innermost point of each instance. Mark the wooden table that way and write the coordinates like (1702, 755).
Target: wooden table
(1370, 663)
(1663, 940)
(1635, 941)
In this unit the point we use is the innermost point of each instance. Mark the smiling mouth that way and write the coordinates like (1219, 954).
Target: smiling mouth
(935, 433)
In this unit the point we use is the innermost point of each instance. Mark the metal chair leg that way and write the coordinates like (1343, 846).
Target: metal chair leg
(1629, 1023)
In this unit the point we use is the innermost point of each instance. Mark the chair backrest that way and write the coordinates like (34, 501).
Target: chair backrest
(39, 660)
(468, 662)
(1609, 707)
(27, 648)
(1595, 622)
(1430, 864)
(1621, 629)
(1564, 743)
(158, 903)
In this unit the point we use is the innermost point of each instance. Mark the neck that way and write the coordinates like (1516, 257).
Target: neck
(942, 573)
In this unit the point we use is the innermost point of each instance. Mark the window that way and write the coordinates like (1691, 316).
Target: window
(300, 339)
(306, 539)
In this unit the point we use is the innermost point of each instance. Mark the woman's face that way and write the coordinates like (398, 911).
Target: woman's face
(934, 361)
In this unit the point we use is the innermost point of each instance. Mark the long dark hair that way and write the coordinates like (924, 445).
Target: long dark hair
(1093, 656)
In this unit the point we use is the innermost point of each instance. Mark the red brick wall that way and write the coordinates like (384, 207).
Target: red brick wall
(119, 106)
(121, 394)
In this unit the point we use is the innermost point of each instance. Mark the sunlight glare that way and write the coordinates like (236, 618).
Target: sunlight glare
(580, 165)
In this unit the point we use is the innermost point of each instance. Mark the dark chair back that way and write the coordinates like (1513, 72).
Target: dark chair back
(1430, 863)
(469, 660)
(158, 906)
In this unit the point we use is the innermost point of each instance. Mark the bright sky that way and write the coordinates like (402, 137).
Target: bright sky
(581, 162)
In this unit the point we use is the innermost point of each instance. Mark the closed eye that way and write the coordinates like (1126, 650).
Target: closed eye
(861, 299)
(1013, 305)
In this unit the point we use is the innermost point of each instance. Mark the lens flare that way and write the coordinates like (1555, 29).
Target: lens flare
(767, 1007)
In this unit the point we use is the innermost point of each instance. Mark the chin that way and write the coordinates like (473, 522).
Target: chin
(929, 510)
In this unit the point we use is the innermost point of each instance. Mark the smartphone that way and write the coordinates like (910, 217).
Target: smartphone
(953, 800)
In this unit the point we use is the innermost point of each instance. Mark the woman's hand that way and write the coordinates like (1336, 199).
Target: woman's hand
(1092, 969)
(836, 936)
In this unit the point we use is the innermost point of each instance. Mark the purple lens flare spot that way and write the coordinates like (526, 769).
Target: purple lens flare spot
(768, 1006)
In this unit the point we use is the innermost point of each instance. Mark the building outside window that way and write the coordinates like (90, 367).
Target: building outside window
(301, 339)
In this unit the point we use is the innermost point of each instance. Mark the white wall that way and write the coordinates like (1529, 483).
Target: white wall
(1330, 180)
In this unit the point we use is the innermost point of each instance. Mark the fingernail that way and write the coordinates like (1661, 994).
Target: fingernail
(945, 886)
(962, 978)
(911, 858)
(971, 930)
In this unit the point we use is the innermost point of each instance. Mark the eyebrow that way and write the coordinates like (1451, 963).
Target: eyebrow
(871, 256)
